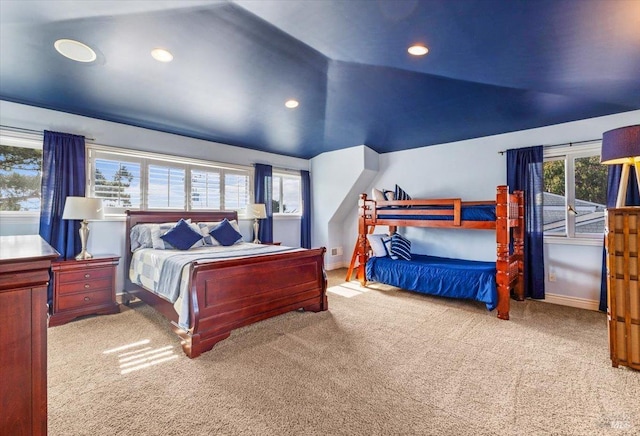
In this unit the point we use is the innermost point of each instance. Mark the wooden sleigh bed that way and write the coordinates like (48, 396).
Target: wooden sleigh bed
(453, 213)
(230, 293)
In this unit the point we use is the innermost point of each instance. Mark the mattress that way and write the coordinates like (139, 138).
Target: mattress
(453, 278)
(480, 212)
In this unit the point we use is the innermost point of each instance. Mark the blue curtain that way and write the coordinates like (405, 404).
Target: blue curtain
(63, 175)
(524, 172)
(305, 222)
(632, 199)
(263, 193)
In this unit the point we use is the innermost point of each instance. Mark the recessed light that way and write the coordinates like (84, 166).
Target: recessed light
(291, 103)
(75, 50)
(161, 55)
(418, 50)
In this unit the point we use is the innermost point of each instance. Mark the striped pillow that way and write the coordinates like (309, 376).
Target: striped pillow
(399, 194)
(400, 247)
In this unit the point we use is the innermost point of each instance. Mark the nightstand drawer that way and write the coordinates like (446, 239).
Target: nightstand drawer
(85, 286)
(85, 275)
(84, 299)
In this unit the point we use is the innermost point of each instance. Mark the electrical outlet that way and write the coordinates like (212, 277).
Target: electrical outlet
(334, 251)
(552, 277)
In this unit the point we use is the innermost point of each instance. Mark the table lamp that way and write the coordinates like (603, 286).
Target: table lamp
(622, 146)
(256, 211)
(83, 208)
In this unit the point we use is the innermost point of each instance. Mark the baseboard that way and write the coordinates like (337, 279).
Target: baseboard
(335, 265)
(563, 300)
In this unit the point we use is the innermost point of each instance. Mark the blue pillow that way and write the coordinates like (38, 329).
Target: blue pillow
(400, 247)
(182, 236)
(225, 234)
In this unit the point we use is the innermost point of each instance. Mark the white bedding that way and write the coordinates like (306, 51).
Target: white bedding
(148, 263)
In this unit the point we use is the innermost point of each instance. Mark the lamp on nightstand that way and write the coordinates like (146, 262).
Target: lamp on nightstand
(622, 146)
(83, 208)
(257, 211)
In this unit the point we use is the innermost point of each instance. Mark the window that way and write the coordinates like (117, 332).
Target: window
(20, 173)
(575, 192)
(287, 198)
(147, 181)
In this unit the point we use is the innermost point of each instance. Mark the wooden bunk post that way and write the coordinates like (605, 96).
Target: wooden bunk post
(518, 247)
(502, 248)
(362, 245)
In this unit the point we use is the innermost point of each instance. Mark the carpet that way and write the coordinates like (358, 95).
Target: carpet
(381, 361)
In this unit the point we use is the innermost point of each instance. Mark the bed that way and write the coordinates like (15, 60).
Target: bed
(493, 283)
(226, 293)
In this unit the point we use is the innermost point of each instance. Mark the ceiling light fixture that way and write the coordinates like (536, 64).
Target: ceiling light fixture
(161, 55)
(418, 50)
(75, 50)
(291, 104)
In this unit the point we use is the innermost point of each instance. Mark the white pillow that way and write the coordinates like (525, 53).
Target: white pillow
(377, 195)
(378, 244)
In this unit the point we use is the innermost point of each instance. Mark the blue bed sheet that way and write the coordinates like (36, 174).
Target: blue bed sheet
(480, 212)
(454, 278)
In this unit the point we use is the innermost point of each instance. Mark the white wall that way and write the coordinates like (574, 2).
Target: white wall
(471, 170)
(108, 236)
(336, 178)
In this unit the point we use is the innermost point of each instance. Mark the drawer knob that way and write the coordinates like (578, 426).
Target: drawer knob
(87, 286)
(86, 276)
(87, 299)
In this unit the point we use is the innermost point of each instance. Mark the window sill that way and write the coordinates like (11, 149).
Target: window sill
(574, 241)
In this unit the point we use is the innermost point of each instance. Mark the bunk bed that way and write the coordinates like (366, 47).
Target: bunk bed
(505, 216)
(222, 294)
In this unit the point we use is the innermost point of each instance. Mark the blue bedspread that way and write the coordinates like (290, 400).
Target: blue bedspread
(480, 212)
(454, 278)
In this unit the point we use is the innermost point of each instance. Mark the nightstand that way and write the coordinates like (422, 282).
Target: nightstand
(83, 287)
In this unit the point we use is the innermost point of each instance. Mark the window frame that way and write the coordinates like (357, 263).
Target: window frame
(569, 154)
(21, 140)
(95, 151)
(281, 173)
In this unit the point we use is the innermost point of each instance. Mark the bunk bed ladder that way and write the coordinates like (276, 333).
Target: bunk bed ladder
(354, 257)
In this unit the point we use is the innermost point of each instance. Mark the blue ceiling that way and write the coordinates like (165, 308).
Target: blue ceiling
(494, 66)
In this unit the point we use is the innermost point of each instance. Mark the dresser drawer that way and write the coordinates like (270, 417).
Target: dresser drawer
(84, 286)
(84, 299)
(85, 275)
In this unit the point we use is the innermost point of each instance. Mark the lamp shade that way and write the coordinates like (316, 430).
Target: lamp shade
(83, 208)
(256, 210)
(621, 145)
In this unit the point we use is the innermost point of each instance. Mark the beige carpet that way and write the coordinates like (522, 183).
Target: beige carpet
(379, 362)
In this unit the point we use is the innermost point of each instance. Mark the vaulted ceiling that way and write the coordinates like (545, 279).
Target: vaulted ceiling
(493, 66)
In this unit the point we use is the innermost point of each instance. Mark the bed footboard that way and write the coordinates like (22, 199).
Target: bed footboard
(229, 294)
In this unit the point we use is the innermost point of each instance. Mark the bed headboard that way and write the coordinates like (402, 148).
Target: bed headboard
(140, 217)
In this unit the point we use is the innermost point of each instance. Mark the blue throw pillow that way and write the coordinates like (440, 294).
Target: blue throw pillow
(225, 234)
(182, 236)
(399, 194)
(400, 247)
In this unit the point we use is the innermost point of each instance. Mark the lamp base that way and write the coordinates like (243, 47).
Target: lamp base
(83, 255)
(256, 227)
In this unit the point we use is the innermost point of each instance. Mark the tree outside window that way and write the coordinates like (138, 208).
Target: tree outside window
(20, 178)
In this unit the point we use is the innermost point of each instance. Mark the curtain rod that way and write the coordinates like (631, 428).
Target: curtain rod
(570, 144)
(23, 130)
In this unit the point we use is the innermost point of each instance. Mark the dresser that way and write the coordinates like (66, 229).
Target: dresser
(623, 285)
(83, 287)
(24, 274)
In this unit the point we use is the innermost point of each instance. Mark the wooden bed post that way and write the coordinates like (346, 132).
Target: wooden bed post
(502, 254)
(363, 249)
(518, 247)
